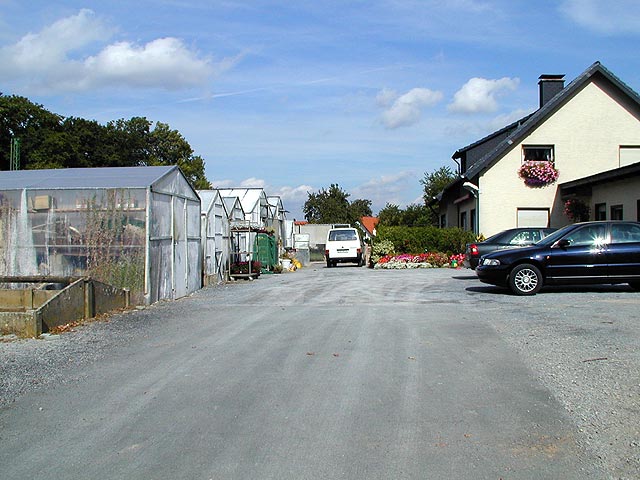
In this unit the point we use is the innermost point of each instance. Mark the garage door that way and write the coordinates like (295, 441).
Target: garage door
(531, 217)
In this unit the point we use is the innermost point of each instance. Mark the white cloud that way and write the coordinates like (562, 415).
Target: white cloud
(41, 52)
(253, 182)
(406, 109)
(604, 16)
(386, 97)
(479, 94)
(385, 189)
(45, 62)
(164, 62)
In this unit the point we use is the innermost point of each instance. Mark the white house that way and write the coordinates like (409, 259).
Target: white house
(589, 131)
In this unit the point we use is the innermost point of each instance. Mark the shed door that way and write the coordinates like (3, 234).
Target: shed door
(532, 217)
(180, 263)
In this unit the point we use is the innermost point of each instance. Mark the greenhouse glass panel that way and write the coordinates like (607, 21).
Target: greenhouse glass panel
(83, 232)
(160, 216)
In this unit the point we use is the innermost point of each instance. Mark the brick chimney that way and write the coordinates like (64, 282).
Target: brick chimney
(550, 85)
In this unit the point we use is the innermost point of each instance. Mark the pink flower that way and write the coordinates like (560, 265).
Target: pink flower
(538, 174)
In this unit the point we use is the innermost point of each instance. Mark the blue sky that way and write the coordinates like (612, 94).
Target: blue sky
(293, 95)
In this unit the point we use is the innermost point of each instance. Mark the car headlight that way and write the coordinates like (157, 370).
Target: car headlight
(490, 261)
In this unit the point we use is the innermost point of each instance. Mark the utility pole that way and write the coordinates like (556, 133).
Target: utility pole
(15, 154)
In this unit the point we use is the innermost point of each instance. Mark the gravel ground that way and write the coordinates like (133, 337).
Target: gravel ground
(582, 344)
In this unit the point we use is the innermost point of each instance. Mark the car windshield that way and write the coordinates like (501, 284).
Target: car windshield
(553, 237)
(515, 236)
(342, 235)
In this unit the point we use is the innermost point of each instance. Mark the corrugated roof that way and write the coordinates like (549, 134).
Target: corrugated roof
(72, 178)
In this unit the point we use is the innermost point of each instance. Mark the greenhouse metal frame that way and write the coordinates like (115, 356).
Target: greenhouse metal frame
(131, 227)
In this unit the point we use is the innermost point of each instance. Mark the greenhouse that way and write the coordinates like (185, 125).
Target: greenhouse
(130, 227)
(215, 237)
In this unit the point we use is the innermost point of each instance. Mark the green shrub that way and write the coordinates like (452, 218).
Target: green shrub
(425, 239)
(380, 249)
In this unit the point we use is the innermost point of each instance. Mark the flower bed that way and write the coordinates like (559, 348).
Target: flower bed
(421, 260)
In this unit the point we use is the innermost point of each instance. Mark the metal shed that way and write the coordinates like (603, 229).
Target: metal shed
(134, 227)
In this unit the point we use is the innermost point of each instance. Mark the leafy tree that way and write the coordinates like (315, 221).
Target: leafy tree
(359, 208)
(391, 215)
(131, 139)
(169, 147)
(413, 216)
(51, 141)
(418, 216)
(32, 124)
(433, 183)
(333, 206)
(327, 206)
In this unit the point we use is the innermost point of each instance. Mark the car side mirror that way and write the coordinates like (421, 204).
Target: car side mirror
(562, 243)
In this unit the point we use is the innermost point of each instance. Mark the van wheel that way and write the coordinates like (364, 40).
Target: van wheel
(525, 279)
(329, 265)
(635, 285)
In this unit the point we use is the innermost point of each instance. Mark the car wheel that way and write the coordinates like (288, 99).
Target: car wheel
(635, 285)
(525, 279)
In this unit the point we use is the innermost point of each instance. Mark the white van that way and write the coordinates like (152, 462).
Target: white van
(343, 245)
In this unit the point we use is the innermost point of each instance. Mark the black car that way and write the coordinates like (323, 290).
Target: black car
(604, 252)
(512, 238)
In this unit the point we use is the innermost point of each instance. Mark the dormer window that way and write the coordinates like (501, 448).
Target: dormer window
(537, 153)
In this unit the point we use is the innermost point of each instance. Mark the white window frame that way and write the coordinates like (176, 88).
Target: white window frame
(550, 157)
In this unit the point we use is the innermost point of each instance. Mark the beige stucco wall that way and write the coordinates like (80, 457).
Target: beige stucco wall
(586, 134)
(625, 193)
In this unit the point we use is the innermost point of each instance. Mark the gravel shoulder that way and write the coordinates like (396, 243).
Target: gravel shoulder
(582, 344)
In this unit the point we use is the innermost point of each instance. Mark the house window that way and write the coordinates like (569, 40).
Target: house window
(601, 211)
(443, 220)
(463, 220)
(537, 153)
(616, 212)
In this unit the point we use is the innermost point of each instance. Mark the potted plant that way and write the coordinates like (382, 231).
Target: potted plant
(538, 174)
(242, 268)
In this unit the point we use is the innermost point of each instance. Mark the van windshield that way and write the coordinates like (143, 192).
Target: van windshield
(342, 235)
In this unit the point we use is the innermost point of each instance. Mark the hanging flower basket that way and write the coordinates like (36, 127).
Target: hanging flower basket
(538, 174)
(577, 210)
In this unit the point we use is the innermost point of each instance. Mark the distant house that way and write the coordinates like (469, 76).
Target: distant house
(589, 131)
(369, 225)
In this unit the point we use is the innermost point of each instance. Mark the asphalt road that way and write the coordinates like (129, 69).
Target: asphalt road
(343, 373)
